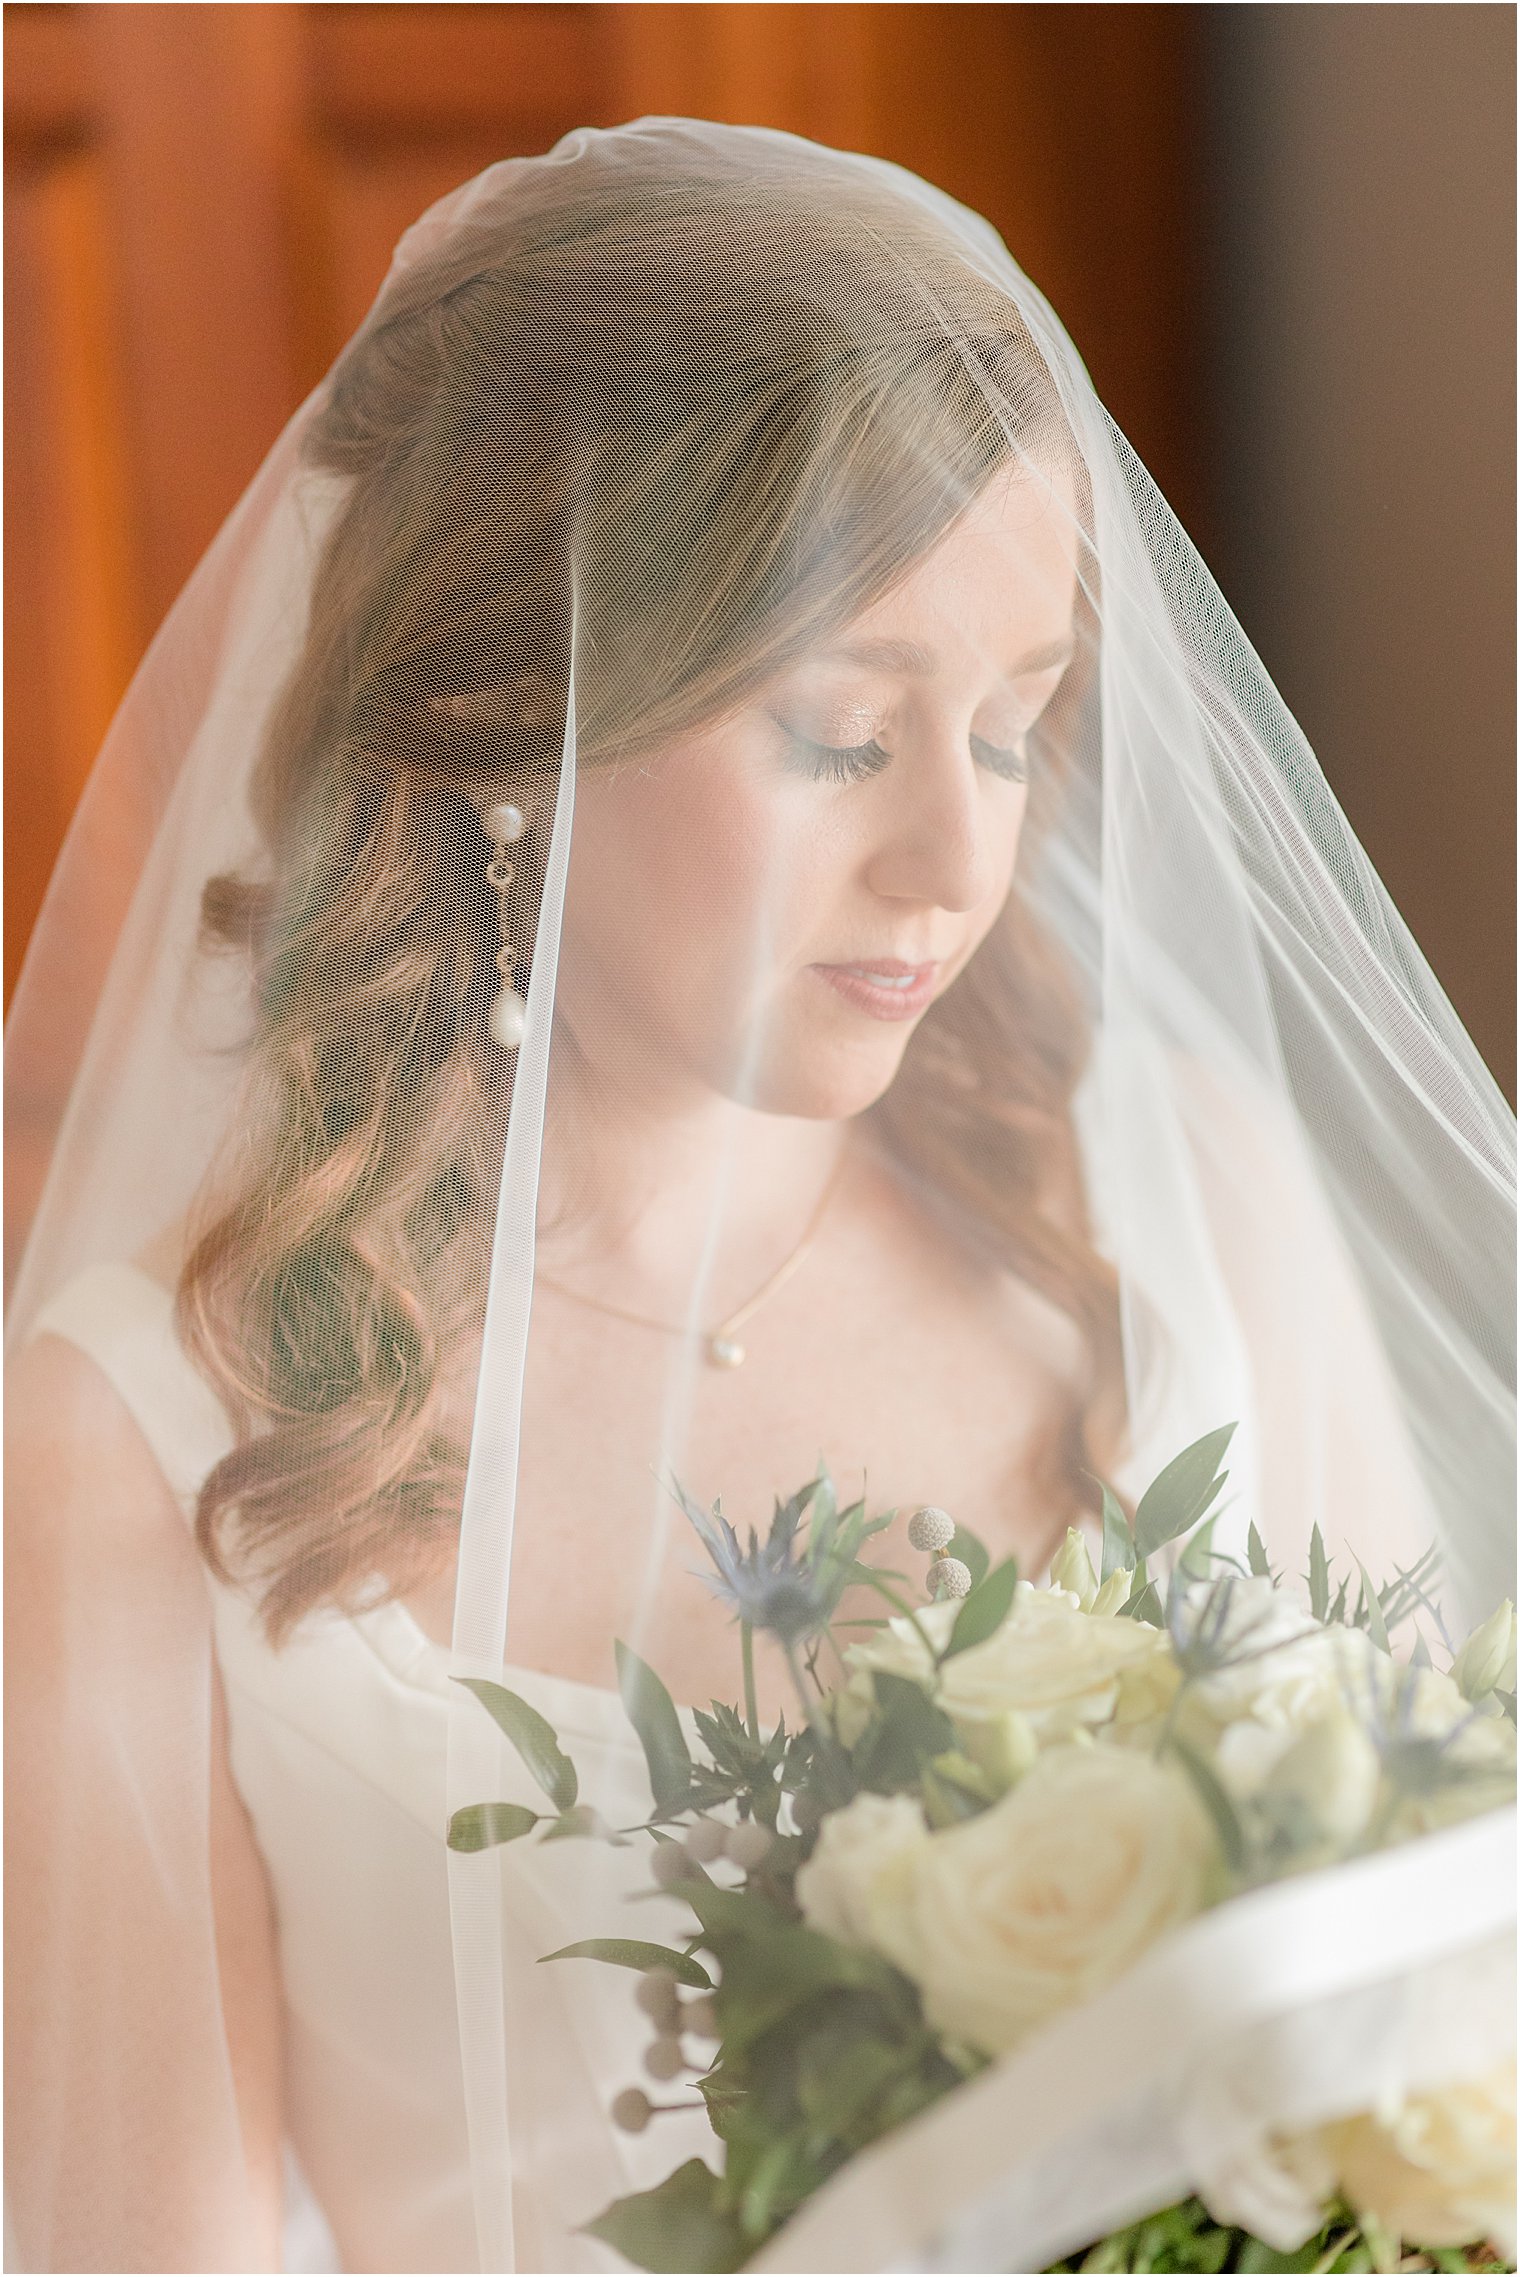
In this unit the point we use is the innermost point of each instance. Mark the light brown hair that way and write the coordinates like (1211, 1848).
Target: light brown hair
(703, 412)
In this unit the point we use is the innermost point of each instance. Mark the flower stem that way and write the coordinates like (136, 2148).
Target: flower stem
(812, 1709)
(747, 1652)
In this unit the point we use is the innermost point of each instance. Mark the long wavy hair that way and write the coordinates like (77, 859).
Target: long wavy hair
(693, 416)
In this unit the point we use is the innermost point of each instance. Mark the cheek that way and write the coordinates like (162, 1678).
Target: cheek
(690, 871)
(1004, 833)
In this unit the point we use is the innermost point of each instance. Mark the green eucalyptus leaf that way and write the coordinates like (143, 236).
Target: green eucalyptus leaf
(480, 1826)
(1198, 1552)
(984, 1609)
(652, 1713)
(1143, 1603)
(579, 1823)
(906, 1731)
(533, 1736)
(634, 1953)
(1119, 1552)
(1377, 1627)
(680, 2225)
(1175, 1501)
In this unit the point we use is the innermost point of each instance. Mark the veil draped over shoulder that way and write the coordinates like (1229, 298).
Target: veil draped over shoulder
(700, 879)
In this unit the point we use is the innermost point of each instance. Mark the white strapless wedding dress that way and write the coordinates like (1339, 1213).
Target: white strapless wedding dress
(338, 1750)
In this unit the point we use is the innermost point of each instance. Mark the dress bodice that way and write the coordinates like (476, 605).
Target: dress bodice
(338, 1748)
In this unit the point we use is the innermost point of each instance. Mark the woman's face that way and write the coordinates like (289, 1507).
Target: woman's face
(765, 908)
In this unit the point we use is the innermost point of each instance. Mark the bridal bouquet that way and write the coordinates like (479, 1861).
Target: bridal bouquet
(997, 1802)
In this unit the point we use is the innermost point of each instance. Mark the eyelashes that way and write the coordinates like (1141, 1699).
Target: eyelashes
(824, 763)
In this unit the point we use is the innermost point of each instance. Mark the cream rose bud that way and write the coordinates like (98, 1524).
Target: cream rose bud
(1437, 2169)
(1071, 1568)
(1050, 1894)
(859, 1848)
(1486, 1662)
(1114, 1592)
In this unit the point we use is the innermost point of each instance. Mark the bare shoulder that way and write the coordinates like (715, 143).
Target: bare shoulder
(78, 1468)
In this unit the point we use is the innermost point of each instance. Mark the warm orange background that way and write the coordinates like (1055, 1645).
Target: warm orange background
(201, 200)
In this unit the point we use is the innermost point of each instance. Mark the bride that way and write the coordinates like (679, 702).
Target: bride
(725, 893)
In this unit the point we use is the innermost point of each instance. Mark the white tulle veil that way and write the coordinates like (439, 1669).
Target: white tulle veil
(1296, 1175)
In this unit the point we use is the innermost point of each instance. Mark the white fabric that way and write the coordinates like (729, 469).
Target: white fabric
(338, 1747)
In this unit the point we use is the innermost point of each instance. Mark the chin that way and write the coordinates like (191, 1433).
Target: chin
(823, 1078)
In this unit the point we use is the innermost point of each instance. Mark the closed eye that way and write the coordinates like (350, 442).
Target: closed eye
(1012, 765)
(826, 764)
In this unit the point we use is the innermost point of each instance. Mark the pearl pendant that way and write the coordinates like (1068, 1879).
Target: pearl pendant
(723, 1352)
(503, 823)
(507, 1019)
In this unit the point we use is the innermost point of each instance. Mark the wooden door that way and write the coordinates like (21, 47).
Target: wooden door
(202, 201)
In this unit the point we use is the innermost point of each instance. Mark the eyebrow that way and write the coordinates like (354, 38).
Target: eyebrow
(914, 662)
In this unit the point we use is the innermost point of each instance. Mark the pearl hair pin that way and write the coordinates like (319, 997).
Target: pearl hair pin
(508, 1015)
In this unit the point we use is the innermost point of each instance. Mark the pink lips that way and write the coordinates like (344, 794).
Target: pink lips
(885, 988)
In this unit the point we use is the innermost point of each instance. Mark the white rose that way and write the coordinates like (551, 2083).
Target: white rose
(856, 1846)
(1323, 1787)
(1047, 1896)
(1438, 2169)
(899, 1648)
(1479, 1751)
(1049, 1662)
(1053, 1668)
(1293, 1674)
(1289, 1665)
(1276, 2190)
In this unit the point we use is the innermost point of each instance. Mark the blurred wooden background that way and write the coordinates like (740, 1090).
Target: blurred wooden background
(201, 201)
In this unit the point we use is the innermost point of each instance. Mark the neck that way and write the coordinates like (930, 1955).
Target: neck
(643, 1197)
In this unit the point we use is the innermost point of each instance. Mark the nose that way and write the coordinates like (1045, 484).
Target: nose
(936, 841)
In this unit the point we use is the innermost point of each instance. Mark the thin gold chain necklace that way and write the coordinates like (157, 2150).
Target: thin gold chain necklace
(720, 1345)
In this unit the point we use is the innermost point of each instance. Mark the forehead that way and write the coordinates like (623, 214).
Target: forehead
(999, 586)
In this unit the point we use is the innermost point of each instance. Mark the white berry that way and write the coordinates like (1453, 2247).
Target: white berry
(670, 1865)
(930, 1529)
(663, 2058)
(700, 2017)
(659, 1999)
(949, 1578)
(703, 1840)
(748, 1845)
